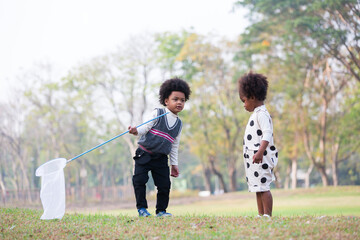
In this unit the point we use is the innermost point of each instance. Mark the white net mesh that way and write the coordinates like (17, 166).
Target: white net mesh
(52, 193)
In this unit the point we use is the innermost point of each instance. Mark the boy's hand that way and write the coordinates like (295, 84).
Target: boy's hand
(174, 171)
(133, 130)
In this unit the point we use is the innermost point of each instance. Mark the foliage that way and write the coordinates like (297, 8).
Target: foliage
(321, 27)
(205, 224)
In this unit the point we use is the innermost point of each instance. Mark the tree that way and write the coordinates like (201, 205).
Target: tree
(14, 156)
(169, 46)
(120, 85)
(344, 141)
(214, 105)
(330, 27)
(303, 32)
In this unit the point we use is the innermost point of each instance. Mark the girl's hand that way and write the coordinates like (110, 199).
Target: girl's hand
(174, 171)
(133, 130)
(258, 157)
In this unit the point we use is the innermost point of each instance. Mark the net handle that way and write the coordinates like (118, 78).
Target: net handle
(72, 159)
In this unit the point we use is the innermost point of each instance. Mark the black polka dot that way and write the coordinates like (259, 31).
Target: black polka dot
(255, 151)
(276, 154)
(247, 179)
(249, 137)
(272, 148)
(257, 144)
(243, 141)
(248, 165)
(259, 132)
(256, 174)
(263, 180)
(252, 123)
(247, 156)
(244, 155)
(265, 153)
(265, 166)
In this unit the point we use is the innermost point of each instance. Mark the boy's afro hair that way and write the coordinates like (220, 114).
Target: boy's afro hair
(174, 84)
(254, 85)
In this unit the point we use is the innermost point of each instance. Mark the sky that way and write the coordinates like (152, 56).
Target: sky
(67, 32)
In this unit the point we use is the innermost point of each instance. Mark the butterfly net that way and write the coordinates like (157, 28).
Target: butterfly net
(52, 193)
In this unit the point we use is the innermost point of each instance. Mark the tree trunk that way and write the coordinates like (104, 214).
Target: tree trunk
(307, 176)
(334, 163)
(293, 173)
(100, 187)
(278, 179)
(77, 185)
(217, 173)
(207, 175)
(26, 186)
(69, 193)
(323, 128)
(15, 182)
(113, 185)
(232, 174)
(287, 178)
(324, 177)
(2, 188)
(334, 173)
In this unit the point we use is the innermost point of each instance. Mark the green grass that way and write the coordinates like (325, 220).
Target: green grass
(323, 213)
(316, 201)
(25, 224)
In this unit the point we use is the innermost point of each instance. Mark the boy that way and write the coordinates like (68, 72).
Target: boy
(158, 139)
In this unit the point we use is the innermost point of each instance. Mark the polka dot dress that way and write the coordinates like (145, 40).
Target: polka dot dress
(259, 176)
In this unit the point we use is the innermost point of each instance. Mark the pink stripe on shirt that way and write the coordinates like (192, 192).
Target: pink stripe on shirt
(162, 134)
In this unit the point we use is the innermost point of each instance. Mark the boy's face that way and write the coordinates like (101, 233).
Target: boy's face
(175, 102)
(249, 103)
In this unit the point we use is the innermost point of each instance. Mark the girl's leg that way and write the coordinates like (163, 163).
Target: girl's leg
(260, 203)
(267, 202)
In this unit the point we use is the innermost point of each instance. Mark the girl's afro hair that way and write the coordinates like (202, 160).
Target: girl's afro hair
(253, 85)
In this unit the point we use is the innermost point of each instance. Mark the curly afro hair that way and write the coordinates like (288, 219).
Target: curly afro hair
(174, 84)
(253, 85)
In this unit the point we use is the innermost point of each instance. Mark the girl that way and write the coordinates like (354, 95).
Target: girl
(260, 153)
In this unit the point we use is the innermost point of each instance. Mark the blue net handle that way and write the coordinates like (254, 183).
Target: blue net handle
(72, 159)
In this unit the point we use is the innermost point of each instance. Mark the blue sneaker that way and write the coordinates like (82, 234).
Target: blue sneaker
(163, 214)
(143, 212)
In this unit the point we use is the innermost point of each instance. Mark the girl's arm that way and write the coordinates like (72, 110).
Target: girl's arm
(258, 156)
(267, 131)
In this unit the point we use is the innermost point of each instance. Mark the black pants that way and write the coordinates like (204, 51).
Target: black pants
(158, 165)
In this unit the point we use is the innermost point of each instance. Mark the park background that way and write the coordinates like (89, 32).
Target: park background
(308, 50)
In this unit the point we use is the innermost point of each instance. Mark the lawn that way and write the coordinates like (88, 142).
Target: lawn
(324, 213)
(316, 201)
